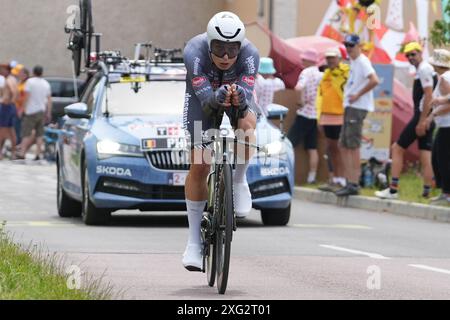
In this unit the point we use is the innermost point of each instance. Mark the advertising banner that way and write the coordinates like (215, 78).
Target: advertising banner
(378, 125)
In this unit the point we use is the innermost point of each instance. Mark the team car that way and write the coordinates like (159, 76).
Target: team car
(123, 147)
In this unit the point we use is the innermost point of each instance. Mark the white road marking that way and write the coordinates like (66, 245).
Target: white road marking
(421, 266)
(39, 224)
(332, 226)
(369, 254)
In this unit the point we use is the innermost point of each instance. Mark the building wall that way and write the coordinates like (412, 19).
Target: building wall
(32, 31)
(307, 15)
(249, 10)
(285, 18)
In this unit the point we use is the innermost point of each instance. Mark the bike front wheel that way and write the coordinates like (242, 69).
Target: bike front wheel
(224, 227)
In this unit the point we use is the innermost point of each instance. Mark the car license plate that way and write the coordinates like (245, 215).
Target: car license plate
(179, 178)
(163, 144)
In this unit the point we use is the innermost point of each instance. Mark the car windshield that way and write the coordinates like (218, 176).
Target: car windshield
(154, 98)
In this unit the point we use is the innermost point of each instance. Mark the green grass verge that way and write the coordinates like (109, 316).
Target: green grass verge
(32, 274)
(411, 187)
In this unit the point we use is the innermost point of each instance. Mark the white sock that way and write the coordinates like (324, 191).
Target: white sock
(195, 214)
(240, 174)
(342, 182)
(336, 180)
(312, 177)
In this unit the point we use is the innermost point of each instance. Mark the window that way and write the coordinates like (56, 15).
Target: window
(69, 89)
(154, 98)
(56, 87)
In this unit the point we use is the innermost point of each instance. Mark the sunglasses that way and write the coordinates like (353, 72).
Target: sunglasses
(220, 49)
(411, 55)
(349, 45)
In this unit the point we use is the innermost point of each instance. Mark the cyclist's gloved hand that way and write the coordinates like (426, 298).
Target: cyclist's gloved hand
(219, 99)
(239, 94)
(241, 98)
(222, 96)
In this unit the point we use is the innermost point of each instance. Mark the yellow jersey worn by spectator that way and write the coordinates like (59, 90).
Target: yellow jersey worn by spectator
(330, 96)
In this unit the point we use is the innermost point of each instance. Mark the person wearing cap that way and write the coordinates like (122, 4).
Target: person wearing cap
(424, 83)
(358, 102)
(8, 110)
(16, 70)
(330, 109)
(304, 129)
(38, 111)
(267, 84)
(22, 76)
(441, 116)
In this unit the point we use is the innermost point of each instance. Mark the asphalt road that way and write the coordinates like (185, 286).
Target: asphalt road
(325, 253)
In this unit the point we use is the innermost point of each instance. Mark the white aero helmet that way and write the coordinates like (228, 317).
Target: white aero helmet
(227, 27)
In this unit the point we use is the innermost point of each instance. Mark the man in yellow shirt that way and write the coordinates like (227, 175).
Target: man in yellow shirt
(330, 108)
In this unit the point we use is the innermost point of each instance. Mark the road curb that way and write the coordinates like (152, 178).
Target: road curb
(414, 210)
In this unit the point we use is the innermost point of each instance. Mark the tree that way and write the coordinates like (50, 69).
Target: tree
(440, 33)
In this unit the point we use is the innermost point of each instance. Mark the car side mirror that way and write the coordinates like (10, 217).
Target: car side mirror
(277, 112)
(77, 111)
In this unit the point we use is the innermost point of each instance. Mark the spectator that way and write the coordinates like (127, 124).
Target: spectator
(267, 84)
(8, 110)
(330, 107)
(22, 75)
(2, 84)
(424, 83)
(304, 129)
(358, 101)
(441, 116)
(38, 107)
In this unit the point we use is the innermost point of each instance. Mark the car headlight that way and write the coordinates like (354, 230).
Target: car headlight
(108, 148)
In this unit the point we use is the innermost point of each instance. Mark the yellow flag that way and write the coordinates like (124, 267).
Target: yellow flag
(434, 7)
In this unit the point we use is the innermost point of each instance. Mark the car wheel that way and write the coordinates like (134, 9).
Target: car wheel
(91, 215)
(67, 207)
(276, 217)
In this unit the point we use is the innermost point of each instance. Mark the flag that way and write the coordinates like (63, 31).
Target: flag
(394, 18)
(332, 33)
(332, 10)
(343, 3)
(412, 34)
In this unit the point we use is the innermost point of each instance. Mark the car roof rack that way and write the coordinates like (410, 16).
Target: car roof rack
(158, 64)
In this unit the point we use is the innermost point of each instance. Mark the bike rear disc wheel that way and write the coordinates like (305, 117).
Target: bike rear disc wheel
(224, 230)
(87, 28)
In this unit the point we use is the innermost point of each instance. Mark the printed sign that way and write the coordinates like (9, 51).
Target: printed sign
(377, 130)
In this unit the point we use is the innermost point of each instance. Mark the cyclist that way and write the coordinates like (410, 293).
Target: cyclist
(222, 66)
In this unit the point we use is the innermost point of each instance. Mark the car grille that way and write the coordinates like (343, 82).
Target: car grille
(169, 160)
(267, 188)
(129, 188)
